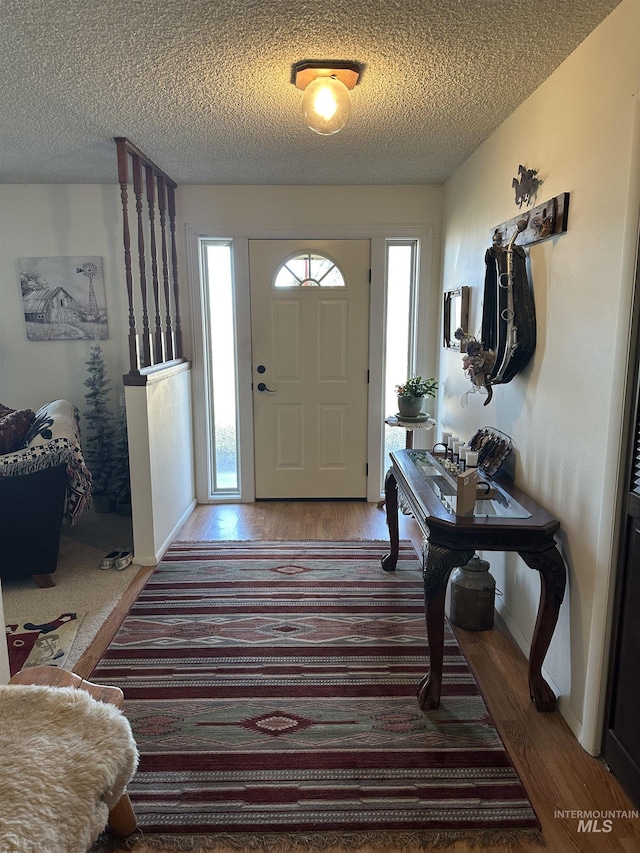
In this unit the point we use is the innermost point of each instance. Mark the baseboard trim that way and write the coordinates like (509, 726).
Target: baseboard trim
(154, 559)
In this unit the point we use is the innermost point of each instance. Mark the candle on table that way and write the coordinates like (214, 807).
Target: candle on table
(471, 458)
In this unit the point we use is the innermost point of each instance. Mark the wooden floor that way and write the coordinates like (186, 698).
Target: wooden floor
(558, 774)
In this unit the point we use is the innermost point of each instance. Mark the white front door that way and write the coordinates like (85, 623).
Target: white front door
(310, 360)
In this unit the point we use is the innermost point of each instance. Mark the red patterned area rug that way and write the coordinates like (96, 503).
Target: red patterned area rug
(271, 687)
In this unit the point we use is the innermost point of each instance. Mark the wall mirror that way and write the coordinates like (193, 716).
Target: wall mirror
(456, 315)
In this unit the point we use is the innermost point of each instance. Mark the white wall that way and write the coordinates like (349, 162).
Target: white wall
(159, 425)
(53, 221)
(564, 410)
(279, 208)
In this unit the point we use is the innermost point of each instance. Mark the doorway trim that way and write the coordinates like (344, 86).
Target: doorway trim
(427, 319)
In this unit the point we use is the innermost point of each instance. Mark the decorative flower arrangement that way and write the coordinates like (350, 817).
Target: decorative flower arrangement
(416, 386)
(477, 362)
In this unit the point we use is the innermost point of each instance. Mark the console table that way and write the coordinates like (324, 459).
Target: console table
(511, 521)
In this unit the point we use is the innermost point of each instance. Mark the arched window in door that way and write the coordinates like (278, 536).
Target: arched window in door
(309, 269)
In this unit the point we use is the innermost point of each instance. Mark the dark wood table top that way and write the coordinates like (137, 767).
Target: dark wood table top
(486, 531)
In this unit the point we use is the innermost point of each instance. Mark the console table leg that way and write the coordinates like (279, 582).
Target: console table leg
(390, 560)
(438, 563)
(551, 568)
(430, 687)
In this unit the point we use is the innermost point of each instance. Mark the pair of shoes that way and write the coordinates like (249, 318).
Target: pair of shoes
(117, 559)
(125, 559)
(108, 561)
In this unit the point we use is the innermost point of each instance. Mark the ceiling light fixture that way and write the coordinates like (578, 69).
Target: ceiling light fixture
(326, 102)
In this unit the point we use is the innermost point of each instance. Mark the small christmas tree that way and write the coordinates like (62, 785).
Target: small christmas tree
(101, 431)
(120, 486)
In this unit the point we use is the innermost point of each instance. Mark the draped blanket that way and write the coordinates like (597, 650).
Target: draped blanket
(54, 439)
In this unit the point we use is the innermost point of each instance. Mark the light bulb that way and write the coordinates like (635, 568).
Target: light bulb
(326, 105)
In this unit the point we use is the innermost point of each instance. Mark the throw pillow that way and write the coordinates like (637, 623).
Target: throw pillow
(13, 428)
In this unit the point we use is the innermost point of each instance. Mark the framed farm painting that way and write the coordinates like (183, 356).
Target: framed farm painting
(63, 299)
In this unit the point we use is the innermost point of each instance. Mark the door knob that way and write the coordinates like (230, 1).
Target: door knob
(263, 387)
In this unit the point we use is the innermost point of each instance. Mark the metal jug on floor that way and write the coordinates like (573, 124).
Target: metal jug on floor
(473, 592)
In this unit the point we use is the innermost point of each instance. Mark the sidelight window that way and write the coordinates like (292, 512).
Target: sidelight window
(400, 341)
(221, 365)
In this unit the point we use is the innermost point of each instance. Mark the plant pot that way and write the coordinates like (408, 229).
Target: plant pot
(123, 507)
(102, 503)
(410, 407)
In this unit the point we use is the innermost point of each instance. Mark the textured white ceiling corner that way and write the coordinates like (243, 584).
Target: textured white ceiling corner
(203, 87)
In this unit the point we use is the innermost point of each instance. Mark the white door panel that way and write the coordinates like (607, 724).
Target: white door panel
(310, 426)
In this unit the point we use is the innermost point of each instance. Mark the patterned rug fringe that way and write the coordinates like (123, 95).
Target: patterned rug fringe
(296, 842)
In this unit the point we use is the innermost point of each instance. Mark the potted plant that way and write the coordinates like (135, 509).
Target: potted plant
(411, 395)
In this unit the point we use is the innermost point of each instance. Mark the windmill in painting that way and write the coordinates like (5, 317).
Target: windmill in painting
(90, 271)
(63, 298)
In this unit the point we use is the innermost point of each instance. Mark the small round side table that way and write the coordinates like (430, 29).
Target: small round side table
(410, 427)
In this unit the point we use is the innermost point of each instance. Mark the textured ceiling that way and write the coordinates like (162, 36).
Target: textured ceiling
(203, 86)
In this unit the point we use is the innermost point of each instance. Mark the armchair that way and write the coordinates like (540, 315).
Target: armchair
(41, 483)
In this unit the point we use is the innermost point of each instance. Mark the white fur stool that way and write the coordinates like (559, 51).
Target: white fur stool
(65, 761)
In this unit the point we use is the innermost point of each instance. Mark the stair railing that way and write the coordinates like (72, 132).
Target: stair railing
(158, 305)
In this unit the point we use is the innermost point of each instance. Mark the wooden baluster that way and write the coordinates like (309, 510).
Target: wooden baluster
(165, 267)
(151, 195)
(174, 263)
(167, 345)
(123, 178)
(137, 188)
